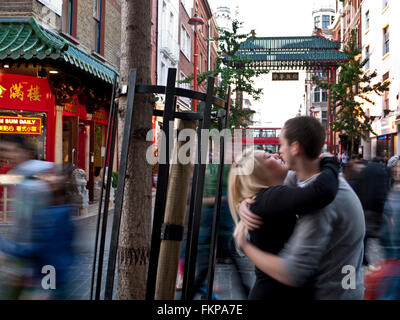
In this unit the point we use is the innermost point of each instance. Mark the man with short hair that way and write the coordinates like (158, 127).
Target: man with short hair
(326, 245)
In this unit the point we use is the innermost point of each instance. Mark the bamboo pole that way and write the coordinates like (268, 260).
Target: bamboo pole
(175, 211)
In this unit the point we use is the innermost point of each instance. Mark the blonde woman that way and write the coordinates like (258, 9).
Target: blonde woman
(260, 175)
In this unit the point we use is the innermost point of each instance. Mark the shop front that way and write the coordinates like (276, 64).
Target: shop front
(27, 107)
(386, 139)
(84, 140)
(55, 93)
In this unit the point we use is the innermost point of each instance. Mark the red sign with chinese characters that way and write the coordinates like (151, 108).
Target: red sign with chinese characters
(20, 125)
(33, 94)
(17, 91)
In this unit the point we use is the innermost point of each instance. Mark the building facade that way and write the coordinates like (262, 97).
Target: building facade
(381, 29)
(58, 63)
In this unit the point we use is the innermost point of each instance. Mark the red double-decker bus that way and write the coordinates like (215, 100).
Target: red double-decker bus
(266, 139)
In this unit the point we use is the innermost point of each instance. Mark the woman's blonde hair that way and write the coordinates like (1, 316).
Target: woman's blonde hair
(244, 181)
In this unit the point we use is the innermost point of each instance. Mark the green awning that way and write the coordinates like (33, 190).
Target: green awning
(25, 38)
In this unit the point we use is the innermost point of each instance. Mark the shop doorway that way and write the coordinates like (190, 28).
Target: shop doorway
(86, 153)
(70, 140)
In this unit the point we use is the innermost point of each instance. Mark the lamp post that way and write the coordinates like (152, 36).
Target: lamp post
(195, 21)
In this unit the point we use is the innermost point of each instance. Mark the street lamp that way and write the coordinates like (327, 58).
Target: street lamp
(197, 22)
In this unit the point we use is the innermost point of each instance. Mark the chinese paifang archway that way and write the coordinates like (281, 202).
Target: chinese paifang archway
(302, 53)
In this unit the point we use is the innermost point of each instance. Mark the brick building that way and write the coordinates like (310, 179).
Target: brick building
(58, 60)
(207, 48)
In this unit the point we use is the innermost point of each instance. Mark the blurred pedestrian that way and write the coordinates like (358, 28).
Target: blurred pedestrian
(371, 189)
(43, 232)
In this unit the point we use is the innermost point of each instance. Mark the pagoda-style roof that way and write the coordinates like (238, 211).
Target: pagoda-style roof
(25, 38)
(291, 52)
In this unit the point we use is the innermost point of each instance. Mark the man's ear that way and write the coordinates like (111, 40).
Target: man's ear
(295, 148)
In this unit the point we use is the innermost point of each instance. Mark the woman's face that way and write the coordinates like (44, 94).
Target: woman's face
(275, 169)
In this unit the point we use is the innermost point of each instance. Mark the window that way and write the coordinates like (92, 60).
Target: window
(367, 20)
(278, 133)
(269, 133)
(385, 78)
(163, 78)
(385, 3)
(326, 21)
(367, 57)
(324, 95)
(386, 40)
(70, 15)
(317, 94)
(185, 43)
(317, 21)
(97, 8)
(320, 95)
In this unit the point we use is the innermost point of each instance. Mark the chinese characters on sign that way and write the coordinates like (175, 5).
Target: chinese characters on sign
(20, 125)
(285, 76)
(17, 92)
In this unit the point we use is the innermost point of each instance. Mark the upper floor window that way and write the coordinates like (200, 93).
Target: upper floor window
(385, 40)
(385, 3)
(367, 57)
(326, 21)
(317, 21)
(367, 20)
(320, 95)
(185, 43)
(70, 15)
(97, 10)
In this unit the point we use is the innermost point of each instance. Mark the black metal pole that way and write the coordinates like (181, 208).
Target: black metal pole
(112, 110)
(120, 187)
(162, 186)
(192, 242)
(217, 205)
(106, 205)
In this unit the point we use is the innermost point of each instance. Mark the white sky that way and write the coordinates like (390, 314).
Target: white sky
(281, 99)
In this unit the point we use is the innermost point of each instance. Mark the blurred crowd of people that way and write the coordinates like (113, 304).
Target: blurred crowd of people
(377, 184)
(35, 261)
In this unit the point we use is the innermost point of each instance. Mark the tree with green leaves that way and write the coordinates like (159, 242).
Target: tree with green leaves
(350, 93)
(233, 71)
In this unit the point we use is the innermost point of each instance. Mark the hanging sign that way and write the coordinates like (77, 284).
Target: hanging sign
(20, 125)
(285, 76)
(75, 110)
(100, 116)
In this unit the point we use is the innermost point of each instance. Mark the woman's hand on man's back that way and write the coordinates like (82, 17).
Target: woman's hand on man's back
(249, 219)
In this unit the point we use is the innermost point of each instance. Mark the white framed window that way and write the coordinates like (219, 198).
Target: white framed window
(185, 43)
(385, 3)
(320, 95)
(367, 56)
(317, 21)
(326, 21)
(386, 40)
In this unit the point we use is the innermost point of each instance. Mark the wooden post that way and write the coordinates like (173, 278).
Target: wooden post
(178, 189)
